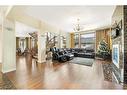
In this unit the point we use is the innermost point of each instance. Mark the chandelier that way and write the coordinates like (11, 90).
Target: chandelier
(77, 26)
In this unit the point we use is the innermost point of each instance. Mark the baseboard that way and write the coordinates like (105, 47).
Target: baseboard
(42, 61)
(10, 70)
(115, 78)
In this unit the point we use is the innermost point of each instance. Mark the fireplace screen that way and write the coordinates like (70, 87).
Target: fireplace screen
(115, 55)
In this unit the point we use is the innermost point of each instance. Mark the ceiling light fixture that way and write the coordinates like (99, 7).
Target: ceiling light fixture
(77, 27)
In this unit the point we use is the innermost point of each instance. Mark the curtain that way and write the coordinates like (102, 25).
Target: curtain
(72, 40)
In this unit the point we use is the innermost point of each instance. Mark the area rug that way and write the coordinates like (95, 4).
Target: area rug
(107, 71)
(5, 83)
(82, 61)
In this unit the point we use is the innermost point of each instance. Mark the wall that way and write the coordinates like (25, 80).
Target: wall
(125, 44)
(72, 40)
(0, 44)
(117, 16)
(68, 40)
(17, 42)
(0, 36)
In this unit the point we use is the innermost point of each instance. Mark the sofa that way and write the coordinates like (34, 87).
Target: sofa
(62, 55)
(81, 52)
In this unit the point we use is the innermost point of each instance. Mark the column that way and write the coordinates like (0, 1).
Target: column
(9, 46)
(41, 45)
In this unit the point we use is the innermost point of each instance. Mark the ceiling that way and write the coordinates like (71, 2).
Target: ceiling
(2, 8)
(65, 17)
(23, 30)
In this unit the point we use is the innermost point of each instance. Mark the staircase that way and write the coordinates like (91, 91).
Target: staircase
(34, 35)
(50, 43)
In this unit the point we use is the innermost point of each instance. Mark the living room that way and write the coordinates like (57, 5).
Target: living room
(91, 52)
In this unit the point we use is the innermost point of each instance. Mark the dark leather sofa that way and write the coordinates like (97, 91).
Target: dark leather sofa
(81, 52)
(62, 55)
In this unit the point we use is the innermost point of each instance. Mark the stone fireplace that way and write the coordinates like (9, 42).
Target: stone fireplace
(120, 66)
(118, 47)
(117, 59)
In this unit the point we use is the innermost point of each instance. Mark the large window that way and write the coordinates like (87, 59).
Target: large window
(88, 40)
(76, 40)
(22, 44)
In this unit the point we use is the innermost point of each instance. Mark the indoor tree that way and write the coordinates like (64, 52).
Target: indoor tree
(103, 49)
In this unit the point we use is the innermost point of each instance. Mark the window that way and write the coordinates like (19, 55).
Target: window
(76, 40)
(88, 40)
(22, 44)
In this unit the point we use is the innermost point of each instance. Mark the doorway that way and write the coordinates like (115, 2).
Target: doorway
(26, 42)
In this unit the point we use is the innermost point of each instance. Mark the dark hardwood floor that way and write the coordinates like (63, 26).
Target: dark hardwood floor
(32, 75)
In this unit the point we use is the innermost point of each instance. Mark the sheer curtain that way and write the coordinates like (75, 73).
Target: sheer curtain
(22, 44)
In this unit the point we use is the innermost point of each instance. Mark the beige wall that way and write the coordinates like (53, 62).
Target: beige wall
(68, 40)
(0, 44)
(72, 40)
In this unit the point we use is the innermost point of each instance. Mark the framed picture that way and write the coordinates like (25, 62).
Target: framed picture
(115, 55)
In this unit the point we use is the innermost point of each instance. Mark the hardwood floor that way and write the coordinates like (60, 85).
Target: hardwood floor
(32, 75)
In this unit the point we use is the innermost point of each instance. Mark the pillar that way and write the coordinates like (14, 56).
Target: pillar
(8, 46)
(41, 45)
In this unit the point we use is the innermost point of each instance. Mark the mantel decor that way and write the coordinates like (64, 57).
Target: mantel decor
(116, 29)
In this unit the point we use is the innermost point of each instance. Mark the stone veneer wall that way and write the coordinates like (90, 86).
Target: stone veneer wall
(125, 44)
(117, 17)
